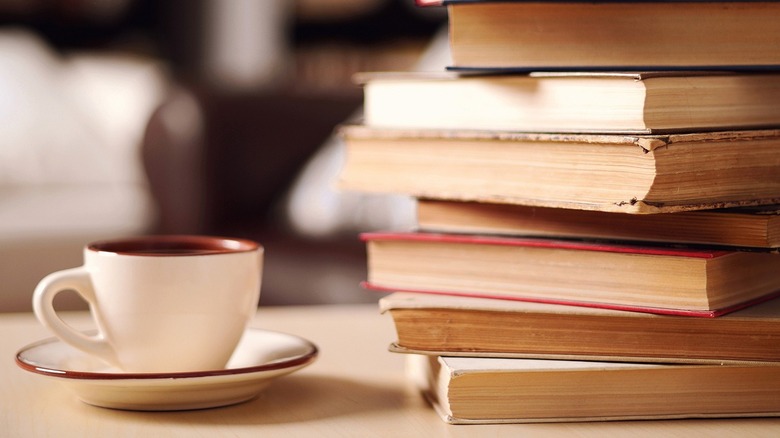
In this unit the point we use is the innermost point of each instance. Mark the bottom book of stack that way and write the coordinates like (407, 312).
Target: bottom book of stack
(482, 360)
(478, 390)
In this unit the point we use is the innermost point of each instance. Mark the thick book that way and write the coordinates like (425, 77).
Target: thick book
(496, 390)
(614, 35)
(640, 102)
(620, 173)
(466, 326)
(655, 279)
(754, 228)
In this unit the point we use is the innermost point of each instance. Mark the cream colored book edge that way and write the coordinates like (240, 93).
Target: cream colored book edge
(614, 173)
(751, 228)
(619, 102)
(432, 375)
(397, 349)
(768, 311)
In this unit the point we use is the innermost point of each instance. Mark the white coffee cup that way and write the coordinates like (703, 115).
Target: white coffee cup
(161, 303)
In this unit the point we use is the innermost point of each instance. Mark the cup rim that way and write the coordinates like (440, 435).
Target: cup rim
(173, 245)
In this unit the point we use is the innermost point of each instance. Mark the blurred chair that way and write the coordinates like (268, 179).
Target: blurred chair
(70, 165)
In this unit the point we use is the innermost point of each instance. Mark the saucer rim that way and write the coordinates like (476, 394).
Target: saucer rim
(312, 351)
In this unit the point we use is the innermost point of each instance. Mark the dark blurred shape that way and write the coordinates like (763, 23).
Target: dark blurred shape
(221, 151)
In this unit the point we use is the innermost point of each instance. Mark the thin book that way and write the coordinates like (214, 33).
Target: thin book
(748, 228)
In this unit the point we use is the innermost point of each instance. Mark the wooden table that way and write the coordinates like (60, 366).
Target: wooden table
(355, 389)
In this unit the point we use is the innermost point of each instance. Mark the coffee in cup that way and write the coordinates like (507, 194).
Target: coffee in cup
(160, 303)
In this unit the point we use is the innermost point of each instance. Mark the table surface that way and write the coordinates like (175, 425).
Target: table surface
(355, 388)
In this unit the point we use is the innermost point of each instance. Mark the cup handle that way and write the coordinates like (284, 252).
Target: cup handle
(78, 280)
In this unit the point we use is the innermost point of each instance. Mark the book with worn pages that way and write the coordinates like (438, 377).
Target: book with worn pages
(640, 102)
(618, 173)
(497, 390)
(467, 326)
(614, 35)
(755, 228)
(654, 279)
(597, 188)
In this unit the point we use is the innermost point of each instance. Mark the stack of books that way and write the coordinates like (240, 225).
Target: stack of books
(597, 187)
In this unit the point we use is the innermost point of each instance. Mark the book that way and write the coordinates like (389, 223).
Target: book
(496, 390)
(614, 35)
(467, 326)
(620, 173)
(638, 102)
(756, 228)
(655, 279)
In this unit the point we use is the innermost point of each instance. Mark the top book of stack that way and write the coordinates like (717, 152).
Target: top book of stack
(628, 35)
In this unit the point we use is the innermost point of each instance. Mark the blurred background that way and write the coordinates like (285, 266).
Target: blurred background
(126, 117)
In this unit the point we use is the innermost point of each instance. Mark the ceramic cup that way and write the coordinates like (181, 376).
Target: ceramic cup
(160, 303)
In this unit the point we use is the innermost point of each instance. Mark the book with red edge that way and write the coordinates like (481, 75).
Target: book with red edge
(663, 280)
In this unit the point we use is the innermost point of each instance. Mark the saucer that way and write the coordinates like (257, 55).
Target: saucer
(260, 357)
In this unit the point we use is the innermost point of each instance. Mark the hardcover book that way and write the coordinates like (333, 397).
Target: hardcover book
(448, 325)
(755, 228)
(618, 173)
(614, 35)
(495, 390)
(641, 102)
(664, 280)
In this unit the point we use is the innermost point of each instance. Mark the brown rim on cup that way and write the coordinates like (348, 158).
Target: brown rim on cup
(174, 245)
